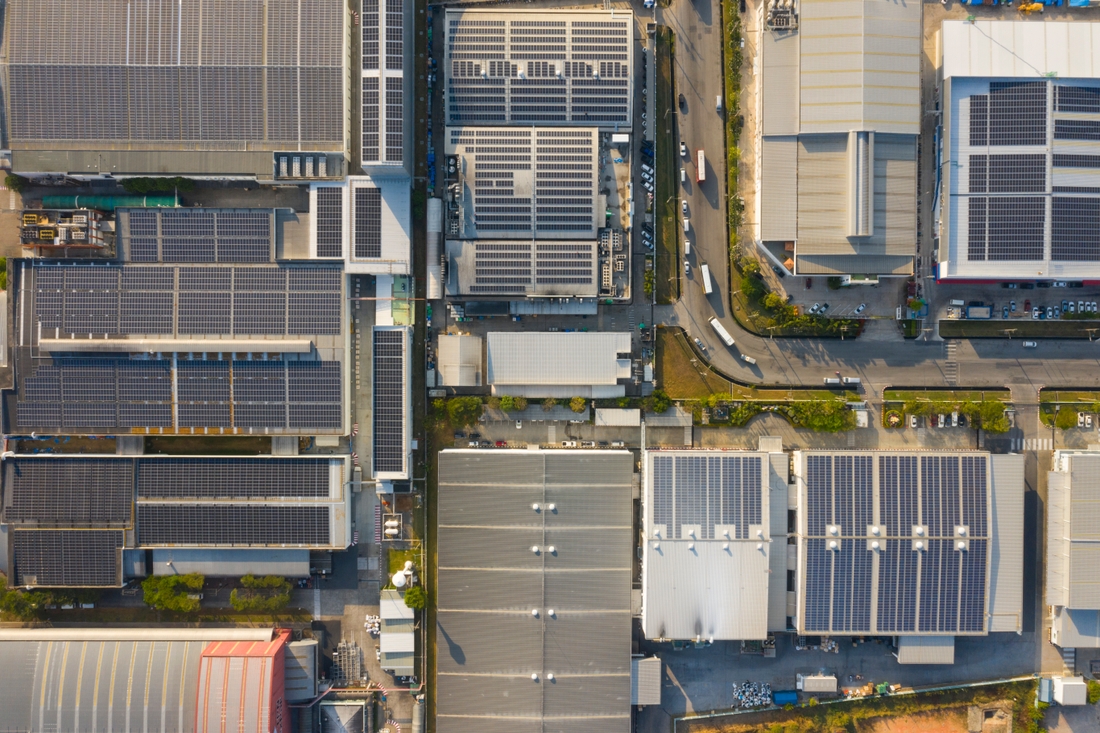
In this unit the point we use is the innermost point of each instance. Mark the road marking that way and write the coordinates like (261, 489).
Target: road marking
(1029, 444)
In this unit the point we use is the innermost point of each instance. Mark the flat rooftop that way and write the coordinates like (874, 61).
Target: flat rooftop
(548, 631)
(519, 269)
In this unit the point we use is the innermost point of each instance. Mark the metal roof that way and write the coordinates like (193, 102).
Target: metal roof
(1073, 528)
(241, 685)
(926, 650)
(110, 685)
(860, 66)
(533, 268)
(616, 417)
(1006, 558)
(645, 680)
(232, 563)
(705, 561)
(578, 582)
(459, 360)
(1025, 49)
(392, 605)
(181, 80)
(543, 359)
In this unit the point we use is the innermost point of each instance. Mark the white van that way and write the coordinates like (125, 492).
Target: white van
(832, 380)
(958, 303)
(687, 225)
(687, 246)
(718, 105)
(749, 359)
(850, 380)
(683, 176)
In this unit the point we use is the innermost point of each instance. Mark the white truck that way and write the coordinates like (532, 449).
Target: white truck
(721, 331)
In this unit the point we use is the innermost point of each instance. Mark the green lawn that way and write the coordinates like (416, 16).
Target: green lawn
(1021, 329)
(945, 395)
(665, 203)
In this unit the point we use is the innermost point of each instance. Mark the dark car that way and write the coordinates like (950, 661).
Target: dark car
(460, 436)
(475, 436)
(809, 283)
(778, 271)
(683, 103)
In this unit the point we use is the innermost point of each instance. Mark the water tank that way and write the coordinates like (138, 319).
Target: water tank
(399, 580)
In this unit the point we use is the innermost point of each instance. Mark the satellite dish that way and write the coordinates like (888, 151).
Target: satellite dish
(399, 580)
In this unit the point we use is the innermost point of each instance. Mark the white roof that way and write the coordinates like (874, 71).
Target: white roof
(645, 681)
(540, 358)
(709, 586)
(1070, 690)
(1021, 48)
(460, 360)
(926, 650)
(615, 417)
(404, 641)
(392, 605)
(1073, 529)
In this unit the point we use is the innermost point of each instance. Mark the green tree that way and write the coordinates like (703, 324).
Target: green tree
(1066, 418)
(507, 403)
(416, 598)
(16, 183)
(661, 402)
(773, 301)
(520, 403)
(578, 404)
(494, 402)
(172, 592)
(1093, 693)
(24, 605)
(464, 410)
(549, 404)
(623, 402)
(270, 594)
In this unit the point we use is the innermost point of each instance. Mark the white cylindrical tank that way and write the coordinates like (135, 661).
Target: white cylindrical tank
(399, 580)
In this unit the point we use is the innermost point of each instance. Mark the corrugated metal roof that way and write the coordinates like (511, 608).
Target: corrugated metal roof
(700, 588)
(860, 66)
(1075, 628)
(238, 683)
(1008, 48)
(232, 563)
(779, 90)
(460, 360)
(926, 650)
(777, 560)
(779, 189)
(392, 605)
(540, 358)
(490, 581)
(300, 670)
(645, 681)
(1073, 527)
(1006, 558)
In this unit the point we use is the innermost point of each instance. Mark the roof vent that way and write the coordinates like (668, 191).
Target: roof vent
(691, 545)
(535, 612)
(834, 530)
(875, 545)
(552, 507)
(833, 545)
(760, 545)
(961, 545)
(725, 545)
(535, 506)
(550, 612)
(535, 549)
(551, 549)
(919, 545)
(534, 677)
(550, 676)
(875, 531)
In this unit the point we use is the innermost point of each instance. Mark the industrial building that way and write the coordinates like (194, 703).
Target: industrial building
(526, 183)
(534, 599)
(542, 364)
(364, 221)
(460, 360)
(1019, 178)
(213, 89)
(397, 634)
(392, 392)
(87, 520)
(169, 680)
(1072, 552)
(387, 52)
(198, 326)
(522, 269)
(840, 115)
(910, 544)
(714, 557)
(524, 67)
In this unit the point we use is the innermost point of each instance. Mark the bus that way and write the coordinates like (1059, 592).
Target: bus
(721, 331)
(705, 271)
(700, 166)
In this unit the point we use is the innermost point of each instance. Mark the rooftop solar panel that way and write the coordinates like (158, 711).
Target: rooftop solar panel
(232, 478)
(390, 367)
(330, 221)
(80, 558)
(232, 525)
(68, 493)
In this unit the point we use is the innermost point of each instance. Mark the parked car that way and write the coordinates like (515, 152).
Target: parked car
(862, 307)
(943, 421)
(779, 271)
(824, 307)
(1012, 306)
(501, 444)
(809, 283)
(1004, 312)
(1059, 284)
(588, 444)
(1030, 344)
(684, 206)
(569, 444)
(519, 424)
(814, 309)
(700, 344)
(1036, 313)
(1088, 421)
(1050, 312)
(1072, 307)
(1027, 306)
(683, 150)
(913, 421)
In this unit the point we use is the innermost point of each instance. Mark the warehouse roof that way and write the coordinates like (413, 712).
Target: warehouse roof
(947, 518)
(539, 269)
(1025, 49)
(241, 685)
(105, 679)
(540, 358)
(460, 360)
(705, 561)
(1073, 531)
(176, 81)
(577, 584)
(231, 563)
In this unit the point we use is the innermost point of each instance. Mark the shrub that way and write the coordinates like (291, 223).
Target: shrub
(623, 402)
(416, 598)
(661, 402)
(824, 416)
(520, 403)
(171, 592)
(507, 403)
(1093, 691)
(1066, 418)
(578, 404)
(157, 185)
(270, 593)
(549, 404)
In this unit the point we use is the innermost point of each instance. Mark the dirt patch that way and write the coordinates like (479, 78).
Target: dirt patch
(941, 721)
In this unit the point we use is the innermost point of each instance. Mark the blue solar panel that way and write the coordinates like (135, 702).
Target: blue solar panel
(897, 586)
(819, 493)
(662, 493)
(714, 496)
(818, 585)
(973, 584)
(974, 494)
(731, 493)
(852, 587)
(690, 502)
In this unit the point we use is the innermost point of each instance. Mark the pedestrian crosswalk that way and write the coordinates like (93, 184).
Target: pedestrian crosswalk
(1032, 444)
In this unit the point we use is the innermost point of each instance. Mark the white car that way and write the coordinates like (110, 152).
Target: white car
(912, 421)
(700, 344)
(814, 308)
(684, 206)
(683, 150)
(861, 308)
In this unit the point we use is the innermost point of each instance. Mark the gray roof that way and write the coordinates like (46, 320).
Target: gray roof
(645, 676)
(459, 360)
(579, 62)
(187, 83)
(490, 580)
(232, 563)
(705, 561)
(1073, 528)
(543, 359)
(100, 685)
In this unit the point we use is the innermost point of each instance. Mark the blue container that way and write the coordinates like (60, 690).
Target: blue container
(785, 697)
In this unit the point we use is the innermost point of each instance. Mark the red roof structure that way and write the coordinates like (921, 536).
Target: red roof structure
(241, 687)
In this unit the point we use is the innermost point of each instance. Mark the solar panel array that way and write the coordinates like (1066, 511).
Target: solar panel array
(390, 367)
(504, 267)
(197, 235)
(173, 75)
(527, 183)
(329, 217)
(232, 478)
(81, 558)
(142, 300)
(852, 587)
(383, 100)
(706, 491)
(538, 68)
(103, 395)
(368, 223)
(232, 525)
(64, 493)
